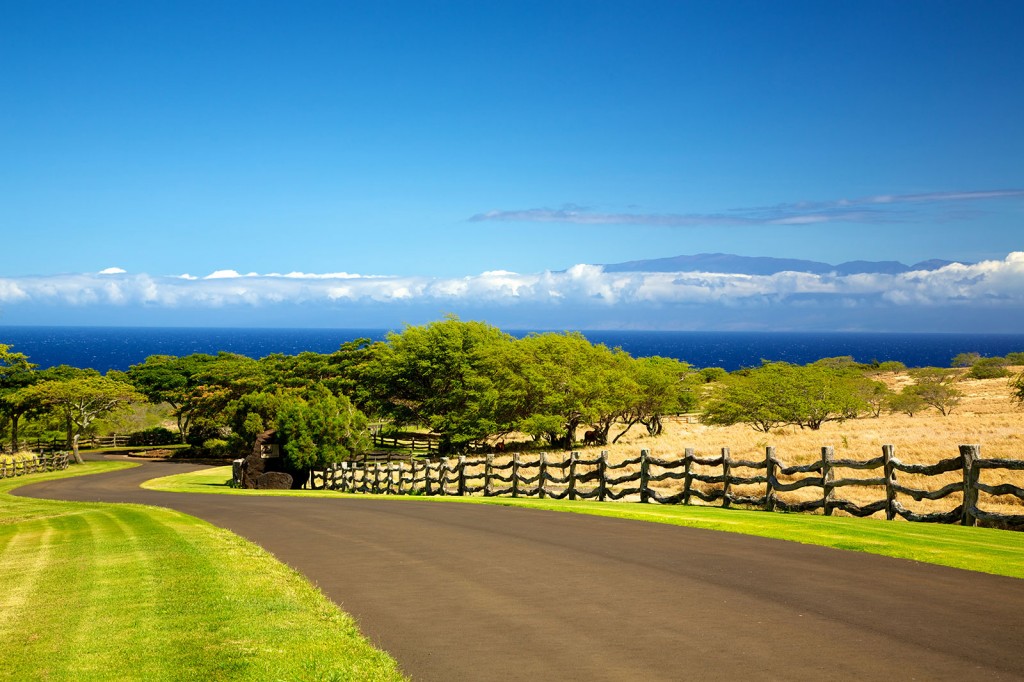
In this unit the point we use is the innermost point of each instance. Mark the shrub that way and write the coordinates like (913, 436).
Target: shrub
(216, 447)
(989, 368)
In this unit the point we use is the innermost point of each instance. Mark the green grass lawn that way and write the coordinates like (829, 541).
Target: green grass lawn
(125, 592)
(977, 549)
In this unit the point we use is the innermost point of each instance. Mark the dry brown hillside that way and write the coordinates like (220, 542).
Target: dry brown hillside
(987, 416)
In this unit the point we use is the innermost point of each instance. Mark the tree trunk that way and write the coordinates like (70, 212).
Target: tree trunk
(74, 447)
(14, 431)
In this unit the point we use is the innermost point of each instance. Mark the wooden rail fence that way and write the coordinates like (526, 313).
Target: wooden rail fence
(595, 478)
(409, 441)
(54, 461)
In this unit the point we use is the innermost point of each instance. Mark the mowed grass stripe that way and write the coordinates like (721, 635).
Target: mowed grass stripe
(126, 592)
(977, 549)
(24, 553)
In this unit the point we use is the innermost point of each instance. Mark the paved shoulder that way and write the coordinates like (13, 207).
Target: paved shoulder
(473, 592)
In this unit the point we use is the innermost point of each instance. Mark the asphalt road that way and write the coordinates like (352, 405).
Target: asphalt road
(475, 592)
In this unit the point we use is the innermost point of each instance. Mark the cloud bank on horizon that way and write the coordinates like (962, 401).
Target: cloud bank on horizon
(945, 299)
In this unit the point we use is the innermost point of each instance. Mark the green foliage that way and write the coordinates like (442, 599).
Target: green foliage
(890, 366)
(908, 401)
(440, 376)
(936, 388)
(1015, 358)
(874, 394)
(711, 374)
(1017, 388)
(965, 359)
(779, 393)
(988, 368)
(320, 428)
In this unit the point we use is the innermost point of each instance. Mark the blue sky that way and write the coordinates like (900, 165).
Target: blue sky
(431, 143)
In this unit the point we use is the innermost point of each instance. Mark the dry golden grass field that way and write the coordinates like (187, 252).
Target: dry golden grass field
(986, 416)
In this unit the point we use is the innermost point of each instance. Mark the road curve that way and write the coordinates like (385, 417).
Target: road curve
(477, 592)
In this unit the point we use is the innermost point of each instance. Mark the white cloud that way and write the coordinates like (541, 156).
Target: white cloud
(112, 271)
(879, 209)
(997, 282)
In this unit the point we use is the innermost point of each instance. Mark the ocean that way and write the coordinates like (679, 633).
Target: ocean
(105, 348)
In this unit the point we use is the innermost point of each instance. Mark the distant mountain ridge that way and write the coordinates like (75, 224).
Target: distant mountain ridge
(765, 265)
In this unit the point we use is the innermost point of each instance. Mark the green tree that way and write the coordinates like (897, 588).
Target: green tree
(16, 374)
(81, 400)
(779, 393)
(908, 401)
(756, 397)
(936, 388)
(874, 395)
(965, 359)
(661, 388)
(1017, 388)
(988, 368)
(440, 376)
(320, 428)
(172, 380)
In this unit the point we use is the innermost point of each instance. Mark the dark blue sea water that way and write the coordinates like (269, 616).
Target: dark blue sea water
(106, 348)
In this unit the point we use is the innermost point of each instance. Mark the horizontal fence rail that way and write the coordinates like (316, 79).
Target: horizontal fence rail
(646, 479)
(54, 461)
(90, 442)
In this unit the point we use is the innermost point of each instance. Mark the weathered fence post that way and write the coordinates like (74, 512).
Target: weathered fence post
(602, 472)
(573, 458)
(969, 454)
(645, 474)
(543, 465)
(427, 488)
(442, 477)
(769, 474)
(515, 474)
(462, 475)
(726, 483)
(827, 476)
(487, 475)
(890, 481)
(376, 478)
(687, 475)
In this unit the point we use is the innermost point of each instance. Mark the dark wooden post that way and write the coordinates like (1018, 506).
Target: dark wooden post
(442, 477)
(645, 473)
(542, 474)
(427, 488)
(515, 474)
(769, 474)
(687, 476)
(726, 483)
(462, 475)
(573, 458)
(602, 476)
(487, 475)
(827, 476)
(376, 478)
(969, 454)
(890, 480)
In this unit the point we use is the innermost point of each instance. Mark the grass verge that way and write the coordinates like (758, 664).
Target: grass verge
(126, 592)
(976, 549)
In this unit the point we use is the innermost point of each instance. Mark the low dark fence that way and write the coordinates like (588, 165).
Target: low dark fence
(54, 461)
(422, 442)
(141, 438)
(595, 478)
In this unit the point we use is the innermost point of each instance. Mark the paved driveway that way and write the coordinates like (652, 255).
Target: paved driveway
(475, 592)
